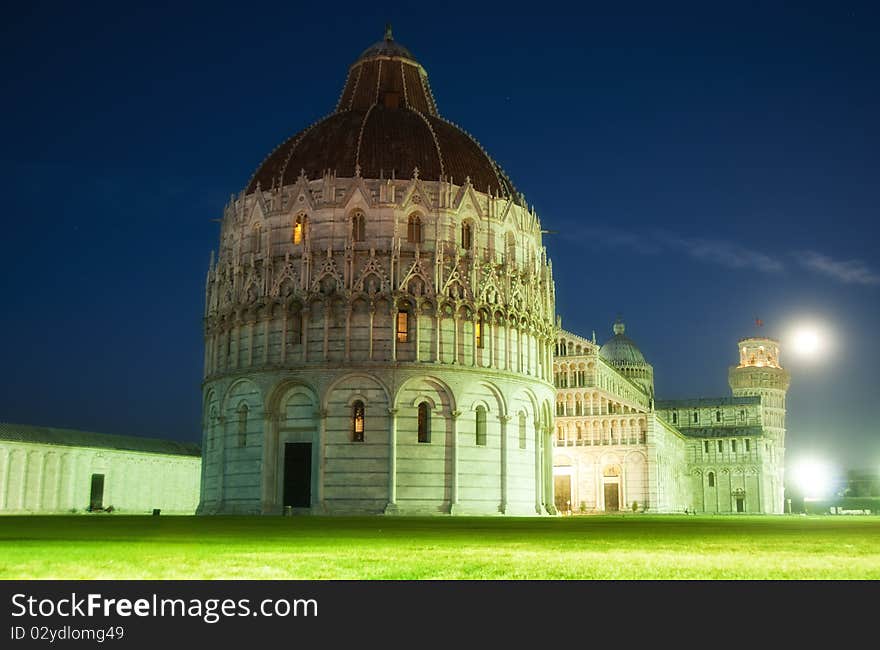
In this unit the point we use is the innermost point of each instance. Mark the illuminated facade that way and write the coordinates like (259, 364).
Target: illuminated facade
(48, 470)
(616, 448)
(379, 320)
(380, 337)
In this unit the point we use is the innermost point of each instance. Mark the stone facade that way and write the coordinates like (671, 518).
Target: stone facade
(624, 451)
(46, 470)
(301, 325)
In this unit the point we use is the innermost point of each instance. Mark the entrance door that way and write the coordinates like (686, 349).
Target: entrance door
(612, 500)
(298, 474)
(96, 497)
(740, 504)
(562, 492)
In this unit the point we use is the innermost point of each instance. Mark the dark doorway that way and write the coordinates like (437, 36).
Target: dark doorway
(612, 499)
(740, 504)
(96, 497)
(298, 474)
(562, 492)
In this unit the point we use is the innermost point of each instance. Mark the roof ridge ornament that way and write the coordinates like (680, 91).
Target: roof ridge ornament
(388, 35)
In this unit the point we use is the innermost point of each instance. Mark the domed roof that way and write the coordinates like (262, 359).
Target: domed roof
(621, 350)
(386, 124)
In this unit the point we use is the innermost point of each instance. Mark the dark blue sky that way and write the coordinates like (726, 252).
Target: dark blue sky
(702, 165)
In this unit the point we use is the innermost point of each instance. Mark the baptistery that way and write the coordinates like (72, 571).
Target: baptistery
(379, 319)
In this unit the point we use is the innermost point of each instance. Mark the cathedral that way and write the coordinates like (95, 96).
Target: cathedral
(381, 337)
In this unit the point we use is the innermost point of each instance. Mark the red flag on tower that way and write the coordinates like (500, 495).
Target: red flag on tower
(758, 322)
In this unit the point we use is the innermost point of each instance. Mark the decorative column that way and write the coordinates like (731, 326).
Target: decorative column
(348, 333)
(489, 335)
(372, 319)
(284, 335)
(474, 347)
(503, 420)
(394, 333)
(326, 354)
(304, 328)
(455, 337)
(269, 461)
(507, 345)
(266, 339)
(437, 318)
(221, 460)
(453, 501)
(322, 444)
(548, 473)
(250, 343)
(392, 461)
(418, 315)
(538, 465)
(236, 342)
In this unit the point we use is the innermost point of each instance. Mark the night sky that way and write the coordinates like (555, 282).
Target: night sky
(702, 166)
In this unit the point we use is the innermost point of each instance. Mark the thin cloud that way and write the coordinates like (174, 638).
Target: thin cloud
(712, 251)
(847, 271)
(724, 253)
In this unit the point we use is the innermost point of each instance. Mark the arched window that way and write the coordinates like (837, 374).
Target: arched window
(255, 238)
(414, 229)
(733, 446)
(711, 479)
(424, 422)
(696, 416)
(748, 445)
(720, 446)
(481, 426)
(718, 415)
(705, 446)
(467, 239)
(402, 326)
(675, 417)
(358, 226)
(357, 421)
(299, 228)
(522, 430)
(242, 424)
(510, 241)
(479, 331)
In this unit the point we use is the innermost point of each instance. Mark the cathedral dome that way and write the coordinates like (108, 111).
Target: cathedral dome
(385, 125)
(622, 350)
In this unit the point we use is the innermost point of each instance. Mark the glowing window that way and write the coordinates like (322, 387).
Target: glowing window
(402, 326)
(357, 421)
(424, 422)
(479, 331)
(299, 229)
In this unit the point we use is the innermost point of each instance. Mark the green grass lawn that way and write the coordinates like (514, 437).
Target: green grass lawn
(605, 547)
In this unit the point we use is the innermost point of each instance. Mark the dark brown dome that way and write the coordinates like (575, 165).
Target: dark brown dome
(386, 124)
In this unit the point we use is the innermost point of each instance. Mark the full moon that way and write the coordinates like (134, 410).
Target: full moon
(807, 341)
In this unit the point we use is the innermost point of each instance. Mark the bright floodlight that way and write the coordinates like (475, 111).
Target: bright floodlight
(813, 478)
